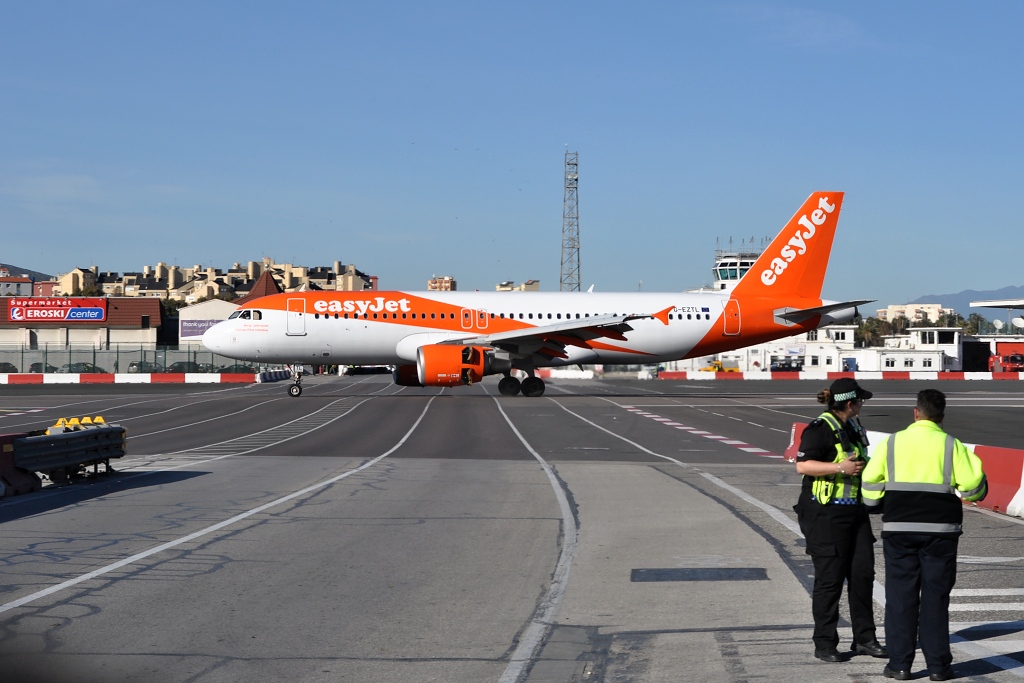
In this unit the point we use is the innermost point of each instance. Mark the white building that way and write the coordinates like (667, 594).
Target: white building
(196, 319)
(913, 312)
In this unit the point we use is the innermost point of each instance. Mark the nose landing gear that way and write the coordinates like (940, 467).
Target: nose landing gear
(295, 390)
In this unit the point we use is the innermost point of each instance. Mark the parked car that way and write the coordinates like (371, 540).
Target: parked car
(42, 367)
(786, 366)
(8, 367)
(185, 366)
(238, 368)
(86, 368)
(144, 366)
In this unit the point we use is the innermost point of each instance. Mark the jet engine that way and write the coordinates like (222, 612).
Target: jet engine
(448, 365)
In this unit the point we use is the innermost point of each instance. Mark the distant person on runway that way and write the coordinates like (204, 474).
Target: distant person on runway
(917, 473)
(835, 524)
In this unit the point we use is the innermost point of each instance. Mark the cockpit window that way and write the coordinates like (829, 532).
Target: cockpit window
(234, 315)
(246, 315)
(257, 315)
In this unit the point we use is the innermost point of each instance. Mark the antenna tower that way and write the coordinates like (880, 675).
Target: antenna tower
(570, 281)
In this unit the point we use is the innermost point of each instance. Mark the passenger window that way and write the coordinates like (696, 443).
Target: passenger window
(689, 316)
(432, 315)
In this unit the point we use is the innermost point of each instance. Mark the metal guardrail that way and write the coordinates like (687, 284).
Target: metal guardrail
(63, 451)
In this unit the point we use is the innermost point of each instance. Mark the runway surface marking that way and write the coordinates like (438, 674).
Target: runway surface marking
(192, 424)
(213, 527)
(547, 609)
(265, 438)
(742, 445)
(973, 648)
(11, 412)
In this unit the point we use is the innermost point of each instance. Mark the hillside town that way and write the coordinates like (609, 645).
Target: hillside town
(170, 307)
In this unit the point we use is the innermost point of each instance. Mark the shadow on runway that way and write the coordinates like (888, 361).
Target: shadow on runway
(56, 497)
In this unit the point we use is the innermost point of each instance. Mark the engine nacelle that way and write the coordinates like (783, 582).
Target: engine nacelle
(406, 376)
(447, 365)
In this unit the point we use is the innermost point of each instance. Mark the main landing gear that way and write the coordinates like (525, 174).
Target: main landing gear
(531, 387)
(508, 386)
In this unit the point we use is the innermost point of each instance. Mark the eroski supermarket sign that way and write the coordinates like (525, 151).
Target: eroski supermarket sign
(56, 309)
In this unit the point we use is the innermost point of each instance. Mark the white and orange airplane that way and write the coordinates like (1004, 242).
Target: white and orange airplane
(453, 338)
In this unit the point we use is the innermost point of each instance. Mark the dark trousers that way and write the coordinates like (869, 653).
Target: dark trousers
(839, 541)
(920, 571)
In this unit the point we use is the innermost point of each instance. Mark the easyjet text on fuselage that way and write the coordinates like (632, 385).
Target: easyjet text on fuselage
(361, 306)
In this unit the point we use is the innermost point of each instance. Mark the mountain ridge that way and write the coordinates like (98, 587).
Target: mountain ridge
(961, 301)
(18, 271)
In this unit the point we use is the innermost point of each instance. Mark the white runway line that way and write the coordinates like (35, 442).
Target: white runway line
(210, 529)
(547, 609)
(974, 648)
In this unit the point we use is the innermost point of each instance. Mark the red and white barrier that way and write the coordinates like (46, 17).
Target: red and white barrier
(131, 378)
(830, 376)
(273, 375)
(1004, 468)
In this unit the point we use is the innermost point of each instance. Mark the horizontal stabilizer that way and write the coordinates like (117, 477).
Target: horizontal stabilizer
(798, 315)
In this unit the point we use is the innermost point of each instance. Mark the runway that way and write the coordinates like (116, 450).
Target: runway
(369, 532)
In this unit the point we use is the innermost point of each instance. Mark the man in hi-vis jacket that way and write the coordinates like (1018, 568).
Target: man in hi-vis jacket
(914, 478)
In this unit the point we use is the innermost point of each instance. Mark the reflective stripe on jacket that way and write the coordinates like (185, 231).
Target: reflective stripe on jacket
(919, 471)
(839, 485)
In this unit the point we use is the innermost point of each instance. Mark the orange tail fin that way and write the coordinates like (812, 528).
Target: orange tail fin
(795, 262)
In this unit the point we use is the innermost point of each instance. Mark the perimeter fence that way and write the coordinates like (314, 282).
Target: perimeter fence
(116, 358)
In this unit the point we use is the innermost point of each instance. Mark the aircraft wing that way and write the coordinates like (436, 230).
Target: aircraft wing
(798, 315)
(549, 341)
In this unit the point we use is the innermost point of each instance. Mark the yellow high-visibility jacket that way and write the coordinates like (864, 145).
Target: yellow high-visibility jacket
(919, 471)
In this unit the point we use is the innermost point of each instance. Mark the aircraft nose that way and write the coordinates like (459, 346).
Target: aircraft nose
(215, 338)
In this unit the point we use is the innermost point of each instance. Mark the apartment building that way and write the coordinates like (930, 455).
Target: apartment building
(198, 282)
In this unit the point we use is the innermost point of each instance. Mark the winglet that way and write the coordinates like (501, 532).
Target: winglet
(663, 315)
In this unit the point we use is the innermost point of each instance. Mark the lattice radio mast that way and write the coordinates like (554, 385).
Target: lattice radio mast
(570, 281)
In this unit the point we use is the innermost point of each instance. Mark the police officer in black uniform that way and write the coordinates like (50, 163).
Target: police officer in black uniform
(833, 451)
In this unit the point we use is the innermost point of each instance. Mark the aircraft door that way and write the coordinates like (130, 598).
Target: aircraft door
(296, 317)
(467, 318)
(731, 317)
(481, 319)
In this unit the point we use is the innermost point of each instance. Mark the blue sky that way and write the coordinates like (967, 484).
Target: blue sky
(415, 139)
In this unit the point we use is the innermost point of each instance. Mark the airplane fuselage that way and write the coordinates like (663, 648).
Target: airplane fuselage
(450, 338)
(386, 328)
